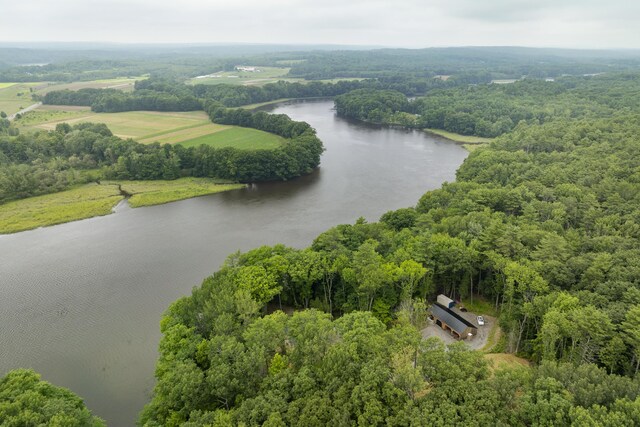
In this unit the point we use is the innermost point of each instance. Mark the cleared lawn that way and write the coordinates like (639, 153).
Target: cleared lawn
(241, 138)
(83, 202)
(146, 193)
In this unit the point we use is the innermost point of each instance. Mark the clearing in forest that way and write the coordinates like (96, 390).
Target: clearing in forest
(237, 137)
(17, 95)
(187, 128)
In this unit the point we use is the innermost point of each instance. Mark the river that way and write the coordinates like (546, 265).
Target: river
(81, 302)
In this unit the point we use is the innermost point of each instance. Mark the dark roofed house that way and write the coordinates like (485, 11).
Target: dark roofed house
(449, 320)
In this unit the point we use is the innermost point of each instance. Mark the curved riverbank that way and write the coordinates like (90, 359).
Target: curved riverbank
(82, 301)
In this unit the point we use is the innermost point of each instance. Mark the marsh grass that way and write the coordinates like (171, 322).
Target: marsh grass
(93, 199)
(78, 203)
(148, 193)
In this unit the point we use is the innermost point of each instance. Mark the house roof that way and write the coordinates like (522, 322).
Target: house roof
(452, 319)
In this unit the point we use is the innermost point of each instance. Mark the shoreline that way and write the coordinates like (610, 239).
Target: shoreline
(100, 199)
(456, 137)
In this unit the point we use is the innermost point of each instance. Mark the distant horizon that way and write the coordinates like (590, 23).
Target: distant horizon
(412, 24)
(36, 43)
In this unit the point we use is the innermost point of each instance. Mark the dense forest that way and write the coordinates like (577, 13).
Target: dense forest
(464, 65)
(47, 162)
(157, 94)
(26, 400)
(491, 110)
(543, 223)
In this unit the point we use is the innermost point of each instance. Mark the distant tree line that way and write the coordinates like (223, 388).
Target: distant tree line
(157, 94)
(492, 110)
(463, 64)
(113, 101)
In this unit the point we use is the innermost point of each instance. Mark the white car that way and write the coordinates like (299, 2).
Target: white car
(480, 321)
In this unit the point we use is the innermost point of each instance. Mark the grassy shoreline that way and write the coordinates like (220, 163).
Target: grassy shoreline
(456, 137)
(92, 200)
(263, 104)
(150, 193)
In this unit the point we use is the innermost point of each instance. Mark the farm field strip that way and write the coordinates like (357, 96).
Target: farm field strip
(264, 76)
(14, 95)
(137, 124)
(187, 128)
(184, 134)
(122, 83)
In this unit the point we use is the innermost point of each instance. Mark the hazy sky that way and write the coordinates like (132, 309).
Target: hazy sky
(409, 23)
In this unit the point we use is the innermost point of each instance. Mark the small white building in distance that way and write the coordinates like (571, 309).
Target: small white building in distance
(248, 69)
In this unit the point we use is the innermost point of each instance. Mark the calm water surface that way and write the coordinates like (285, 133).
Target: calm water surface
(81, 302)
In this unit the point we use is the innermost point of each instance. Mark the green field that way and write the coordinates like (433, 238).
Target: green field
(33, 119)
(241, 138)
(146, 126)
(258, 78)
(15, 96)
(92, 200)
(250, 78)
(121, 83)
(187, 128)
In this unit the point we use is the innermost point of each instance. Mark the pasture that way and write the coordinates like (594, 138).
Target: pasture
(15, 96)
(191, 128)
(143, 126)
(237, 137)
(123, 83)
